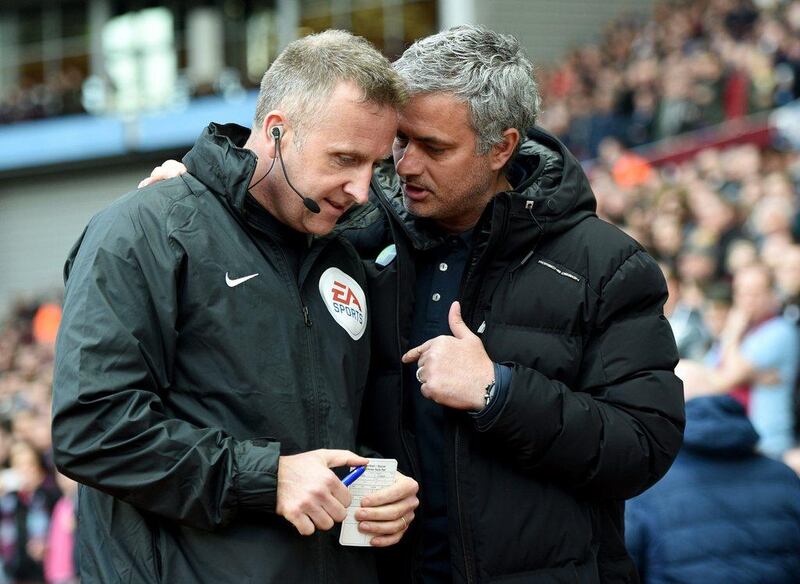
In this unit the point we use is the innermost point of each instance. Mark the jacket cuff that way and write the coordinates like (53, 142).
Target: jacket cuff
(256, 474)
(486, 417)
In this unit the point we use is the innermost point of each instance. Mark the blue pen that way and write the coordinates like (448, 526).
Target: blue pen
(354, 474)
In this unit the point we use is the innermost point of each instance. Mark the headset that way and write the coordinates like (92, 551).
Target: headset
(309, 203)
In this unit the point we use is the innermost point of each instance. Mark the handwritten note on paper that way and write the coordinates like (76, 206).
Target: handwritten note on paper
(380, 473)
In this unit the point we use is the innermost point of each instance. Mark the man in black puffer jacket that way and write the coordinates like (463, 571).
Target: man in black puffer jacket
(533, 409)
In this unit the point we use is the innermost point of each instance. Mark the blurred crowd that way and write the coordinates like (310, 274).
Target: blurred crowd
(58, 95)
(724, 227)
(693, 64)
(37, 517)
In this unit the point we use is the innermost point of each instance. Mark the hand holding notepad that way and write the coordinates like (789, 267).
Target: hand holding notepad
(378, 474)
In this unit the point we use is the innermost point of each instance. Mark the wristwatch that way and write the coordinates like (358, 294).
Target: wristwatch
(488, 394)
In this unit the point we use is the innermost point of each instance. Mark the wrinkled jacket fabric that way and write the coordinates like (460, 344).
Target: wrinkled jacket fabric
(594, 413)
(175, 393)
(723, 513)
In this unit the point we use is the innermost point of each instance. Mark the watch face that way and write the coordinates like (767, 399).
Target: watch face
(490, 391)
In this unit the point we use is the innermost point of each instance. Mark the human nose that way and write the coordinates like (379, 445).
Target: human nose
(358, 186)
(407, 161)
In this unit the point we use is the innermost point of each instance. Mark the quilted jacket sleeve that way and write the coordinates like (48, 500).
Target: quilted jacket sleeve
(619, 432)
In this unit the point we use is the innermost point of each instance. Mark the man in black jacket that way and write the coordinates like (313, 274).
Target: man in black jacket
(532, 407)
(213, 355)
(530, 410)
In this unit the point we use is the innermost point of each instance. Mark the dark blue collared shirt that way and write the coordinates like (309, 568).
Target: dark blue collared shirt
(439, 272)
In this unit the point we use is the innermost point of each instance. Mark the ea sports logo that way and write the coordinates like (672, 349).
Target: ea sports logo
(344, 295)
(345, 300)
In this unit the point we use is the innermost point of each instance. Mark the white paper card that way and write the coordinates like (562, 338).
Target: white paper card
(380, 473)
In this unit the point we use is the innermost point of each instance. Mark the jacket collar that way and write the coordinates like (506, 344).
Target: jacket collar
(219, 160)
(549, 184)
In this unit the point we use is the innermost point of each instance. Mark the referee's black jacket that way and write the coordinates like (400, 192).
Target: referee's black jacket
(594, 413)
(189, 358)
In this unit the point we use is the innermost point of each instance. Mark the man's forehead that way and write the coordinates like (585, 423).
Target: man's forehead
(435, 117)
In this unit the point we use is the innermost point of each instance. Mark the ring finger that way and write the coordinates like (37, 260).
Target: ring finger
(385, 527)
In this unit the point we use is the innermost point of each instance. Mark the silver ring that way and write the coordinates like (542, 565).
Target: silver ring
(405, 523)
(417, 374)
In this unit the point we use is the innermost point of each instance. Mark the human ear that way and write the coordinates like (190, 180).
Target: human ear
(502, 152)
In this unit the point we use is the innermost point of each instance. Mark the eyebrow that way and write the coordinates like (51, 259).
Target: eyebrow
(431, 140)
(357, 156)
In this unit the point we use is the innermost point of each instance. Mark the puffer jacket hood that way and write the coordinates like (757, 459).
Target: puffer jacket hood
(718, 426)
(547, 174)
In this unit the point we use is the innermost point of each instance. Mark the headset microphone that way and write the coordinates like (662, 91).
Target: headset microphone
(310, 204)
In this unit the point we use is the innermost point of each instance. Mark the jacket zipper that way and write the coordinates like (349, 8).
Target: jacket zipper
(466, 543)
(411, 457)
(462, 519)
(319, 543)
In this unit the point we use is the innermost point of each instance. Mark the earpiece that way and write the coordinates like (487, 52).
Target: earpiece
(310, 203)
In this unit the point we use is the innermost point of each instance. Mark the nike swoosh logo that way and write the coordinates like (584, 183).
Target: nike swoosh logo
(237, 281)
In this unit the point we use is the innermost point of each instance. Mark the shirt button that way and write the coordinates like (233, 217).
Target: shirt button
(436, 297)
(443, 267)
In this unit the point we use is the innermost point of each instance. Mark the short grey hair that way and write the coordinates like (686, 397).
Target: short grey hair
(306, 72)
(487, 70)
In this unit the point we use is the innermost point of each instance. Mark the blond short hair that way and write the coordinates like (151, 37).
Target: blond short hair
(304, 75)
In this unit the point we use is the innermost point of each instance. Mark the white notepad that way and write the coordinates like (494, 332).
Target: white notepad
(380, 473)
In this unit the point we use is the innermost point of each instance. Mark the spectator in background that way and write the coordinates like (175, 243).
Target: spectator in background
(60, 566)
(667, 238)
(741, 253)
(716, 306)
(686, 321)
(723, 512)
(26, 355)
(788, 279)
(760, 349)
(25, 515)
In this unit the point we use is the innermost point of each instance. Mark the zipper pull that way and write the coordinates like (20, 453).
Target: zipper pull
(306, 318)
(482, 328)
(521, 264)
